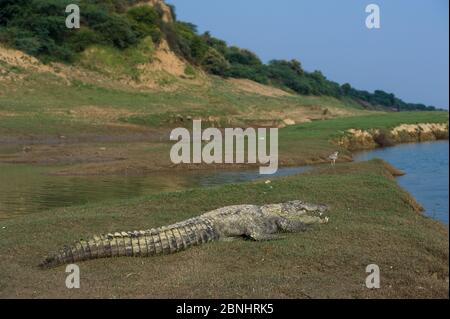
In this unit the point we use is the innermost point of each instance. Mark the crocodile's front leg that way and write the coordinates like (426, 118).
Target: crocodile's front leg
(263, 230)
(301, 224)
(291, 226)
(265, 237)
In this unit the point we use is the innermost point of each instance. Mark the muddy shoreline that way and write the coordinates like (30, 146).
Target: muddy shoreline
(148, 152)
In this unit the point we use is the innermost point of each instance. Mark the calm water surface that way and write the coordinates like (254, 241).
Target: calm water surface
(426, 167)
(27, 189)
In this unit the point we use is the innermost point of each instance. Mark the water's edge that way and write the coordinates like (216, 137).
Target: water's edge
(29, 189)
(427, 173)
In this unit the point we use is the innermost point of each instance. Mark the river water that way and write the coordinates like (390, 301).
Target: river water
(28, 189)
(426, 167)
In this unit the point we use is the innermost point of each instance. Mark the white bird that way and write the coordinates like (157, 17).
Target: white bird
(333, 157)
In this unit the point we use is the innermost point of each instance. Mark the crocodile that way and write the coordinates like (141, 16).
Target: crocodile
(253, 222)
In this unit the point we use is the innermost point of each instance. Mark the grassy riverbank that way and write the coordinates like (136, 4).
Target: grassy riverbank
(372, 220)
(301, 144)
(47, 106)
(313, 142)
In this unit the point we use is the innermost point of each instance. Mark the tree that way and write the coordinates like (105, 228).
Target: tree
(296, 66)
(144, 14)
(346, 89)
(242, 56)
(215, 43)
(118, 31)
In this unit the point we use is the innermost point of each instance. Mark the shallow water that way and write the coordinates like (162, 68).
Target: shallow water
(426, 167)
(26, 189)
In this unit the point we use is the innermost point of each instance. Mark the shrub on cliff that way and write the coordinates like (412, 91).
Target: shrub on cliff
(146, 22)
(215, 63)
(242, 56)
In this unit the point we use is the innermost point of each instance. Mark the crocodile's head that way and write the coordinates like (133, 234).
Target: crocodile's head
(298, 210)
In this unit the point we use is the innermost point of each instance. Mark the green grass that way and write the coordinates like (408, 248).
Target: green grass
(190, 71)
(50, 97)
(113, 62)
(372, 220)
(334, 127)
(305, 142)
(42, 102)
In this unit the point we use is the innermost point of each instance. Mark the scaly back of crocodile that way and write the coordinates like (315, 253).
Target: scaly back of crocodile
(159, 241)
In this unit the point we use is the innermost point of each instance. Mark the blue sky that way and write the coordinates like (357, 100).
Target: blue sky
(408, 56)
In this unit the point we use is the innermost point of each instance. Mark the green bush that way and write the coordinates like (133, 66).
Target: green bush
(145, 15)
(254, 73)
(183, 38)
(38, 26)
(31, 45)
(235, 55)
(83, 38)
(282, 73)
(118, 31)
(189, 71)
(215, 63)
(219, 45)
(146, 22)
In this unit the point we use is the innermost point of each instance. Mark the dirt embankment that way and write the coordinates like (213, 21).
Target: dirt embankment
(356, 139)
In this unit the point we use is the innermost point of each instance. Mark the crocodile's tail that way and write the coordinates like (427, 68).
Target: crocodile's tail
(164, 240)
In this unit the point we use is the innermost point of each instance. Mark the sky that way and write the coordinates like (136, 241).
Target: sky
(407, 56)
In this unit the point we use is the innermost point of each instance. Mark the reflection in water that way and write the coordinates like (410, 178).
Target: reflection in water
(227, 177)
(426, 167)
(26, 189)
